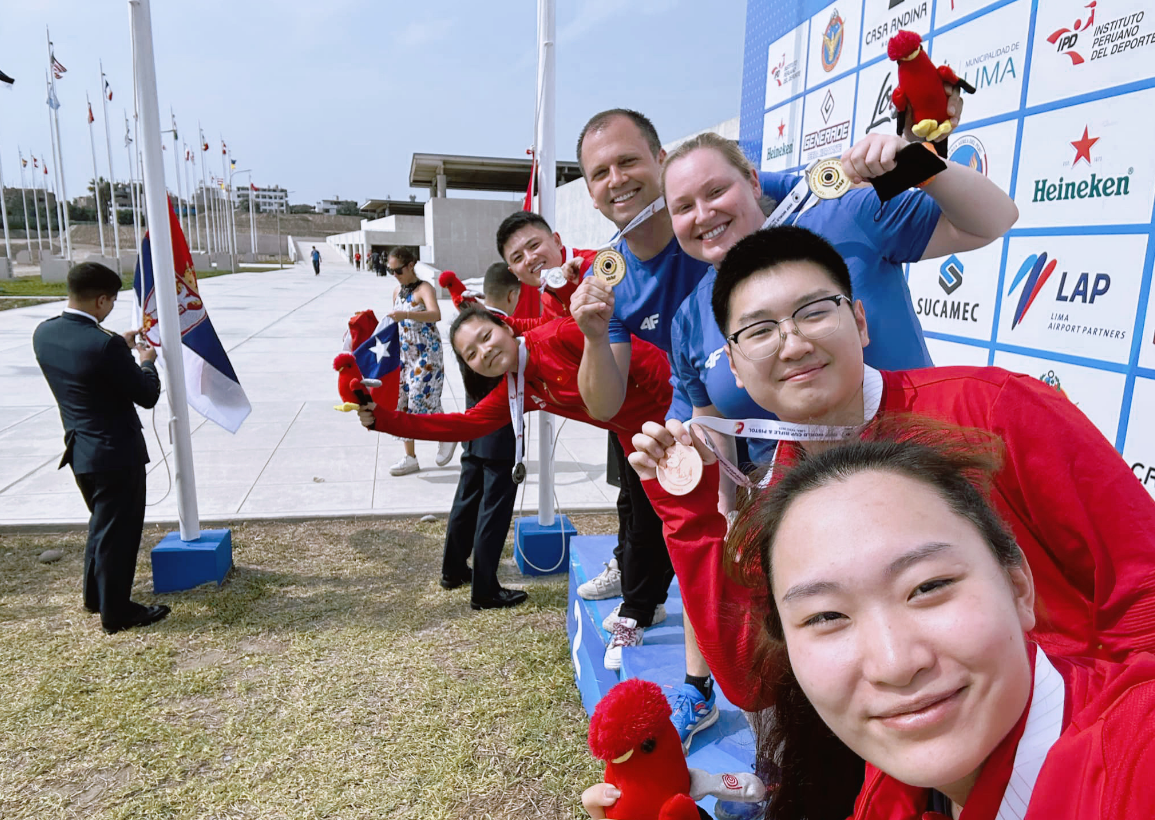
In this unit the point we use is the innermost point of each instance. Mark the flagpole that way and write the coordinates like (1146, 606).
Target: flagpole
(230, 232)
(113, 216)
(132, 188)
(547, 168)
(36, 211)
(24, 199)
(176, 170)
(66, 244)
(163, 274)
(95, 176)
(252, 223)
(205, 192)
(44, 183)
(194, 215)
(48, 213)
(4, 214)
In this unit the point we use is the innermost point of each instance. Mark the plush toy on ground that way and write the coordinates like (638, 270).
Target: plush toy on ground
(920, 87)
(632, 732)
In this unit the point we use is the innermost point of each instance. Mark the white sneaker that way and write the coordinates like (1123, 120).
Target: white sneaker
(614, 617)
(606, 585)
(445, 452)
(626, 633)
(407, 465)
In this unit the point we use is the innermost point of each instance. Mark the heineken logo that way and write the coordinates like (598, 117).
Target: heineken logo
(779, 151)
(1097, 187)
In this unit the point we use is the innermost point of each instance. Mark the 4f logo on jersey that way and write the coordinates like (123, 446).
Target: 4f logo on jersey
(714, 357)
(650, 322)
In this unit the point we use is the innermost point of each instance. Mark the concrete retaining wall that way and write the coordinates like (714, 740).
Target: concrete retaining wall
(54, 269)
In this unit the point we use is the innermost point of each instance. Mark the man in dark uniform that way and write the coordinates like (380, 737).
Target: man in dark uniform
(483, 506)
(96, 382)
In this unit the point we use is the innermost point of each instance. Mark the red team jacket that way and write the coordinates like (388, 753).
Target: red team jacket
(553, 353)
(1102, 767)
(1082, 519)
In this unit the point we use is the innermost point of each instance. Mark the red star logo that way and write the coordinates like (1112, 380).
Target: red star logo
(782, 130)
(1083, 147)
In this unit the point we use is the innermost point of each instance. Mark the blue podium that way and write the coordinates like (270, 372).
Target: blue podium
(542, 550)
(179, 565)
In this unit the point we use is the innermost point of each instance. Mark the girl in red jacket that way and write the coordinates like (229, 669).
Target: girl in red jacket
(488, 350)
(898, 610)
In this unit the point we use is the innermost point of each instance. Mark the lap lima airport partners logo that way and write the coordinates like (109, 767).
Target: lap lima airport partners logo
(833, 39)
(1074, 289)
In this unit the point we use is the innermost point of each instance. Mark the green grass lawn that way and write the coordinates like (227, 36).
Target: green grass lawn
(32, 286)
(330, 677)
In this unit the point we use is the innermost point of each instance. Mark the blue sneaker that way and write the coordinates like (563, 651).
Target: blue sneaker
(692, 713)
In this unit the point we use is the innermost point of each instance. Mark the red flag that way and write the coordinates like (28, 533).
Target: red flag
(528, 206)
(251, 185)
(224, 150)
(206, 147)
(35, 162)
(91, 119)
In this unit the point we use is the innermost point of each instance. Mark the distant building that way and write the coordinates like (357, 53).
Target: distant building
(332, 206)
(265, 200)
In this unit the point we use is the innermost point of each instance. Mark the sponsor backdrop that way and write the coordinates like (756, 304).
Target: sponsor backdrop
(1060, 121)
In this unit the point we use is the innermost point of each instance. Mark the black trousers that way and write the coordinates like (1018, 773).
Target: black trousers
(115, 500)
(642, 556)
(479, 521)
(316, 266)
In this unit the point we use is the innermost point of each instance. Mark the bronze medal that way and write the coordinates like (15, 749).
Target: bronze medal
(681, 470)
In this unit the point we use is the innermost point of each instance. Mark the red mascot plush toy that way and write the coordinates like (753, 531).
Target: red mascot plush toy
(920, 86)
(361, 327)
(457, 290)
(632, 732)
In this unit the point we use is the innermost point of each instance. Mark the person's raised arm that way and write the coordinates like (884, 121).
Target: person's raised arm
(975, 211)
(139, 382)
(604, 366)
(487, 416)
(726, 615)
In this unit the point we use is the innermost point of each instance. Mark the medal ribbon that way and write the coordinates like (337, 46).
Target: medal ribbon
(775, 430)
(516, 391)
(654, 207)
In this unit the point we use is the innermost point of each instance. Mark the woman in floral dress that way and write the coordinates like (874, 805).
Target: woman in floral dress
(416, 311)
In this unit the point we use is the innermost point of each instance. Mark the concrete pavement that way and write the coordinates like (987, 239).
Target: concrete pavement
(294, 456)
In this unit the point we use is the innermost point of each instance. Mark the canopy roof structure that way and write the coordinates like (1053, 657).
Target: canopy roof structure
(480, 173)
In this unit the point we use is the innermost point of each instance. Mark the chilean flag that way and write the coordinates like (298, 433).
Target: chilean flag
(212, 385)
(376, 346)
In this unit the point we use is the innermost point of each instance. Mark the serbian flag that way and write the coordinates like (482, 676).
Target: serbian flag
(212, 385)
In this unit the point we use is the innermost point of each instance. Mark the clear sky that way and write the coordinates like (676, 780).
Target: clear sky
(332, 97)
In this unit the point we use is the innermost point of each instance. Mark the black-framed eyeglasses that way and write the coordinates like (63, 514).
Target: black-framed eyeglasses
(396, 271)
(814, 320)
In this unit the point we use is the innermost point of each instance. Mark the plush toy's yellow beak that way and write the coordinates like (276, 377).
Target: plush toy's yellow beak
(624, 757)
(346, 407)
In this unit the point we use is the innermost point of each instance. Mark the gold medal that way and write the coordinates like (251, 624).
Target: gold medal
(827, 180)
(610, 266)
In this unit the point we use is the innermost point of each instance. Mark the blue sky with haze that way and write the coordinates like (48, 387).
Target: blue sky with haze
(334, 96)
